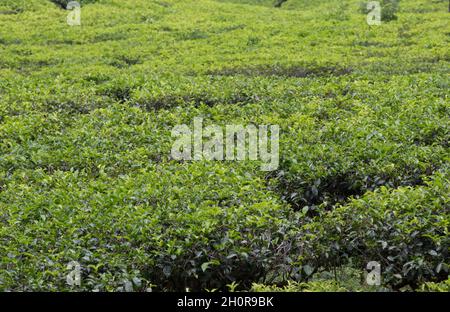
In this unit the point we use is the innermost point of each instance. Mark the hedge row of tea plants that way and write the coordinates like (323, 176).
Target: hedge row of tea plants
(142, 229)
(86, 174)
(406, 230)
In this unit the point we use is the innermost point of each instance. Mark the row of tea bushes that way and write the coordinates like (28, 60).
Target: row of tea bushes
(177, 226)
(405, 230)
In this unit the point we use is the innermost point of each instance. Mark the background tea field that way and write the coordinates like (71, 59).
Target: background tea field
(86, 114)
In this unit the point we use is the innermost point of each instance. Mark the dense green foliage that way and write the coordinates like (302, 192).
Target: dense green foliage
(86, 175)
(406, 230)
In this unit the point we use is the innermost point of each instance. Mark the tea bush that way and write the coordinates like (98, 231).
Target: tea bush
(436, 287)
(86, 175)
(144, 227)
(405, 230)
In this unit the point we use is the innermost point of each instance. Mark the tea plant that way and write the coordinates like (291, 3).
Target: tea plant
(86, 173)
